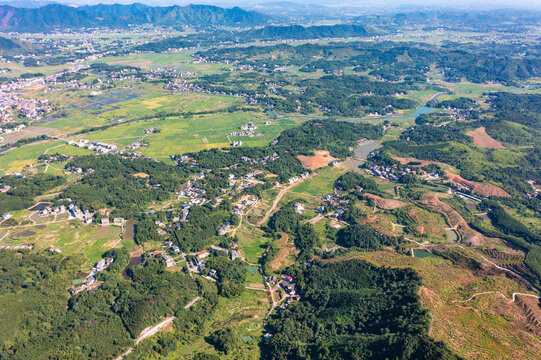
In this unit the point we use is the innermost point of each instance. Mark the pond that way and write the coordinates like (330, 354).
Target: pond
(134, 261)
(39, 206)
(253, 269)
(418, 253)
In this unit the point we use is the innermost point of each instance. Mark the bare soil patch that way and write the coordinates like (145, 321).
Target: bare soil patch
(320, 159)
(141, 175)
(387, 204)
(484, 189)
(482, 139)
(408, 160)
(285, 248)
(532, 311)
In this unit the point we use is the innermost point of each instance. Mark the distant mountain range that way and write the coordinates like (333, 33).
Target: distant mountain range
(456, 19)
(55, 16)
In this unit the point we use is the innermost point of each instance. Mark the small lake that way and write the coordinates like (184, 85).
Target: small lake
(419, 253)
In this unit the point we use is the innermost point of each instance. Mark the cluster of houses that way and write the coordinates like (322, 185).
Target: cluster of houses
(84, 215)
(90, 281)
(166, 73)
(393, 172)
(169, 261)
(300, 177)
(184, 159)
(178, 85)
(191, 191)
(48, 159)
(247, 202)
(118, 221)
(461, 114)
(47, 210)
(197, 265)
(246, 130)
(79, 170)
(181, 85)
(98, 146)
(287, 283)
(17, 128)
(334, 201)
(27, 108)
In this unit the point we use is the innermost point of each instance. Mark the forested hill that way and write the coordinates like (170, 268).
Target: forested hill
(298, 32)
(14, 47)
(267, 33)
(54, 16)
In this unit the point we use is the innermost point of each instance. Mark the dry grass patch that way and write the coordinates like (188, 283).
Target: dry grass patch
(387, 204)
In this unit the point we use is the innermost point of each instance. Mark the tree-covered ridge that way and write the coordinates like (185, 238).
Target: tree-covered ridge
(109, 182)
(364, 237)
(202, 225)
(299, 32)
(391, 61)
(352, 309)
(98, 324)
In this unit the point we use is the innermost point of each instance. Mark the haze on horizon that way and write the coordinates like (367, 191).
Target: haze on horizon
(361, 4)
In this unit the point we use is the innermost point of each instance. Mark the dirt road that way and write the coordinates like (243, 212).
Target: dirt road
(149, 331)
(278, 198)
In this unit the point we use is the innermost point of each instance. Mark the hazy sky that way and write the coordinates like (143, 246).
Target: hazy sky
(353, 3)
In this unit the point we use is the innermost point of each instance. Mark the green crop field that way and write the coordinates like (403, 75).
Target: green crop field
(321, 184)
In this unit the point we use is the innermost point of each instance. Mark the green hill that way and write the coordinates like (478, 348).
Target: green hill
(14, 47)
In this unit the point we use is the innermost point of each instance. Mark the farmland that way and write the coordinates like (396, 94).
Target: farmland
(213, 194)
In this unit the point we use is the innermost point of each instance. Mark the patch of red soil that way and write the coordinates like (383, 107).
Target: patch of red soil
(482, 139)
(320, 159)
(408, 160)
(484, 189)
